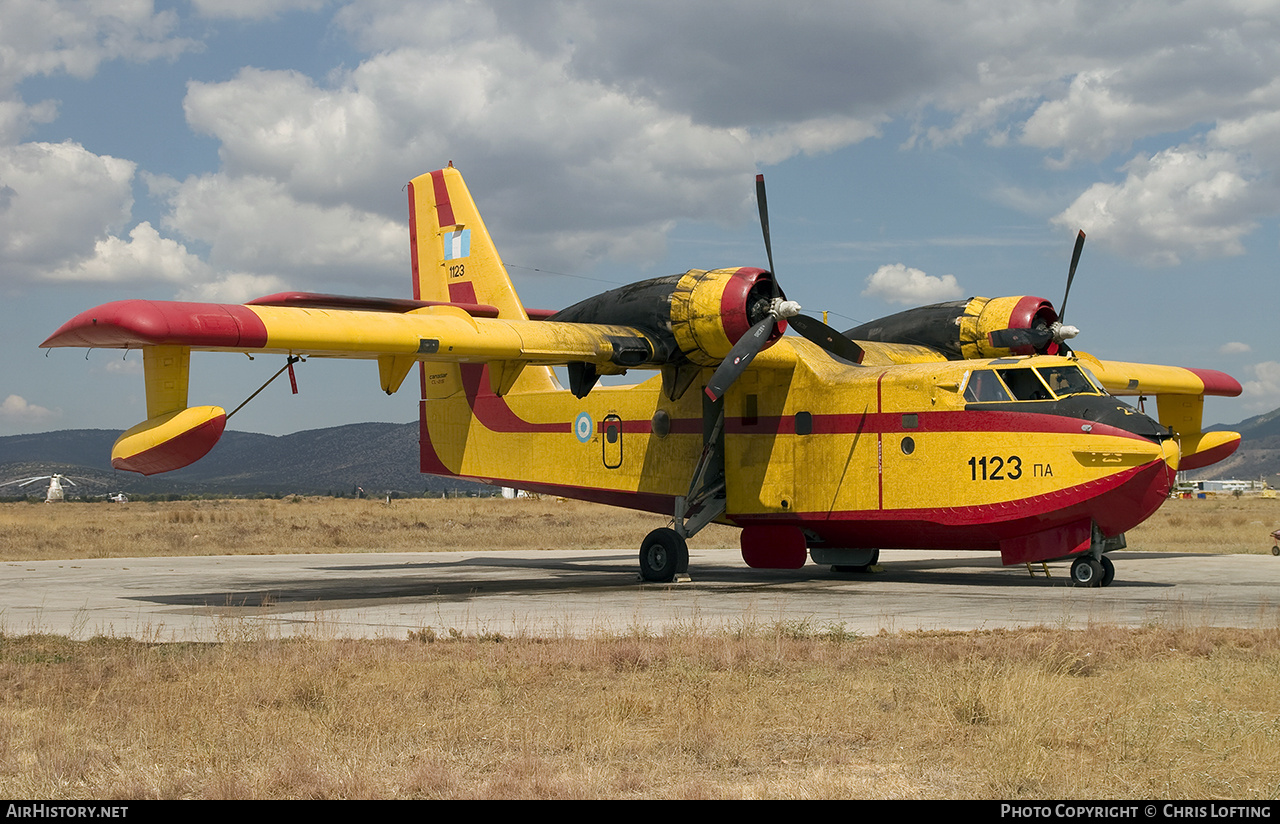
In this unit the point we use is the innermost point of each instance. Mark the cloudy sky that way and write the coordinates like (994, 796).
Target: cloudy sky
(915, 151)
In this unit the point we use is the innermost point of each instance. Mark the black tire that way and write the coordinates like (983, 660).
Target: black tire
(662, 555)
(1275, 550)
(1108, 571)
(1086, 572)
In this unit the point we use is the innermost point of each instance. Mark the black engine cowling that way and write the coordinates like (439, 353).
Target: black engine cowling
(962, 329)
(698, 316)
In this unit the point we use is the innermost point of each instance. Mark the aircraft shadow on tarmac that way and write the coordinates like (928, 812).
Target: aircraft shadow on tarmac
(452, 581)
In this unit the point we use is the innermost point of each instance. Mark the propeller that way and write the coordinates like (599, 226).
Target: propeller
(1042, 334)
(750, 344)
(1071, 274)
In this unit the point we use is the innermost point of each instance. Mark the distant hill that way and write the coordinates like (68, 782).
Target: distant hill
(380, 457)
(1259, 452)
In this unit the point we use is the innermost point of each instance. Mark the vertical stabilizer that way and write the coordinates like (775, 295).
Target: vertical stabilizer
(454, 260)
(453, 256)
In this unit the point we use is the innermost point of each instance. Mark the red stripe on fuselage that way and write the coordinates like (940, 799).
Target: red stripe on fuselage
(499, 417)
(960, 421)
(1117, 503)
(493, 411)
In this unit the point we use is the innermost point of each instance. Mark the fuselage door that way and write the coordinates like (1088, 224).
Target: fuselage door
(611, 441)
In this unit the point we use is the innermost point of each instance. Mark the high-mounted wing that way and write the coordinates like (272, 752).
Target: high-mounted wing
(175, 435)
(464, 310)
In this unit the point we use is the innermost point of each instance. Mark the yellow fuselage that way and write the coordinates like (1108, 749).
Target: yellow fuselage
(884, 456)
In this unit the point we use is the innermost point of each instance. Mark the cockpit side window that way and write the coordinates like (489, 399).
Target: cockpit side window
(984, 386)
(1067, 380)
(1024, 385)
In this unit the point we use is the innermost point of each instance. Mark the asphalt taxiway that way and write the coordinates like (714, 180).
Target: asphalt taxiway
(549, 593)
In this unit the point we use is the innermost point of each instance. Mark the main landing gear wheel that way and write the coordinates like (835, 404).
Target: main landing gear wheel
(663, 555)
(1086, 572)
(872, 560)
(1108, 571)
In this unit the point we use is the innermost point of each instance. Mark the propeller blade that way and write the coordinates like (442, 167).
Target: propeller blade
(739, 358)
(1071, 274)
(763, 203)
(826, 337)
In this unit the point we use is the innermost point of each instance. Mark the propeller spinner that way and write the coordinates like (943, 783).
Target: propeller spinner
(750, 344)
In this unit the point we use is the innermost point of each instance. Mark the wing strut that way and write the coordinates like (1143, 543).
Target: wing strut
(288, 367)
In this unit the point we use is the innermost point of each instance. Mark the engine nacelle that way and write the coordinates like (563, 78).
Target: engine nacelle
(710, 311)
(699, 315)
(961, 329)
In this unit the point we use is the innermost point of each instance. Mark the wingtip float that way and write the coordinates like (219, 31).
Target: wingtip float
(966, 425)
(170, 441)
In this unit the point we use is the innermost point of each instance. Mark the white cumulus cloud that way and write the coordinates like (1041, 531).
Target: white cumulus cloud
(897, 283)
(1263, 392)
(146, 256)
(237, 287)
(58, 198)
(1179, 202)
(15, 410)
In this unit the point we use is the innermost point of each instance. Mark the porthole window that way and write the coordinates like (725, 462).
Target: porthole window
(908, 445)
(661, 423)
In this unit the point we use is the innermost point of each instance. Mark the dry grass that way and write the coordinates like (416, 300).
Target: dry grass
(1222, 525)
(30, 531)
(764, 712)
(783, 711)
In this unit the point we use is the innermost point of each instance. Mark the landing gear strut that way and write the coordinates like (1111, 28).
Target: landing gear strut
(664, 555)
(1093, 568)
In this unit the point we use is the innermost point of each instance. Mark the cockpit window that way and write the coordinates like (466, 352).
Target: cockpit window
(1067, 380)
(984, 386)
(1024, 385)
(1093, 379)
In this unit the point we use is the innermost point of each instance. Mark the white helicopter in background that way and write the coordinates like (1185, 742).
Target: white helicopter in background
(55, 494)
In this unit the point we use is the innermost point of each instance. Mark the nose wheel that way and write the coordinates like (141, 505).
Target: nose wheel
(1088, 572)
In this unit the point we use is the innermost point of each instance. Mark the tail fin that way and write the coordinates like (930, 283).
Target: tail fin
(454, 260)
(453, 256)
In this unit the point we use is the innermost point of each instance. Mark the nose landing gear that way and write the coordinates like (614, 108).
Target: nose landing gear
(1088, 572)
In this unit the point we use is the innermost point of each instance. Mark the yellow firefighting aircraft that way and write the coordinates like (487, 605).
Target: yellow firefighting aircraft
(965, 425)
